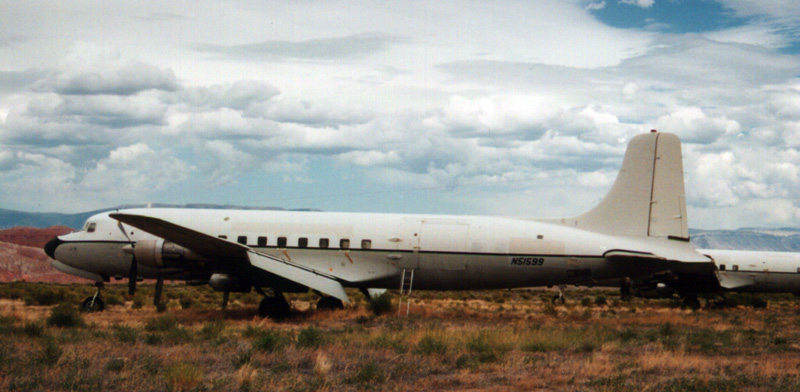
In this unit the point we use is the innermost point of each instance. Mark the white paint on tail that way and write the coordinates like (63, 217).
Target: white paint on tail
(647, 198)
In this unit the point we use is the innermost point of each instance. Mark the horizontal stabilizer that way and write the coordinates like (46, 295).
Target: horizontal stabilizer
(623, 254)
(734, 281)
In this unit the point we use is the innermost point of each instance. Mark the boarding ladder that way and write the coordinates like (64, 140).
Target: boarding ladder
(406, 284)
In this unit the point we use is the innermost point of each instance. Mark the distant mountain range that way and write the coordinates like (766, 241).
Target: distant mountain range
(782, 240)
(776, 240)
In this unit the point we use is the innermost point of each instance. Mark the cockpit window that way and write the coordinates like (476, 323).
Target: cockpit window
(90, 227)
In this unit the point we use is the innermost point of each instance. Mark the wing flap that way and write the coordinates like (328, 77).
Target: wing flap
(305, 276)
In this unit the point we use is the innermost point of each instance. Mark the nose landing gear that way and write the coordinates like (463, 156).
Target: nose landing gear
(94, 303)
(559, 299)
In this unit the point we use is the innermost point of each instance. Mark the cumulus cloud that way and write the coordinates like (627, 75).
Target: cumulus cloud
(111, 111)
(90, 69)
(224, 163)
(32, 179)
(240, 95)
(525, 116)
(692, 125)
(596, 6)
(371, 158)
(315, 113)
(14, 81)
(711, 179)
(136, 168)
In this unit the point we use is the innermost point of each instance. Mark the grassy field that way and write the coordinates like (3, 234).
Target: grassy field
(496, 340)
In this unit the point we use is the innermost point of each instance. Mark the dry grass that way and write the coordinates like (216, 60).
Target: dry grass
(493, 341)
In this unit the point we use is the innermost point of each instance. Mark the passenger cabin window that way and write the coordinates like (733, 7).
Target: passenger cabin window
(281, 242)
(242, 239)
(224, 237)
(302, 242)
(798, 270)
(735, 268)
(366, 244)
(344, 244)
(90, 228)
(722, 267)
(262, 241)
(323, 243)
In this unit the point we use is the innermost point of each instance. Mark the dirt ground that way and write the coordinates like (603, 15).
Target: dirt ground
(505, 340)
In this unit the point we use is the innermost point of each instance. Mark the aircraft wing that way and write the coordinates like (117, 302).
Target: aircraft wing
(201, 243)
(215, 247)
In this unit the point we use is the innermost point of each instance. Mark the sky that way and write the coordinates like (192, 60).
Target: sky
(510, 108)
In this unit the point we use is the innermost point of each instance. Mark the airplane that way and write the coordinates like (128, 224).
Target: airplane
(639, 228)
(742, 271)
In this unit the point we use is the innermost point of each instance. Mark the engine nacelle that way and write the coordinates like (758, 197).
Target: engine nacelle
(159, 254)
(225, 282)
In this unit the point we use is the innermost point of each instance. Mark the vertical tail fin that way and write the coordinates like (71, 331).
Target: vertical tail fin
(647, 198)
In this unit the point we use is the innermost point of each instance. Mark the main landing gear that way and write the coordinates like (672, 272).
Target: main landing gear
(275, 307)
(626, 288)
(330, 303)
(559, 299)
(94, 303)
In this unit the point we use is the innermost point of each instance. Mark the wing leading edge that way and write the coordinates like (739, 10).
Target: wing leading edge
(215, 247)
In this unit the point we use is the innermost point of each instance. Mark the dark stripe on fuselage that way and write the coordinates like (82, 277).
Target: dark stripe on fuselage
(427, 252)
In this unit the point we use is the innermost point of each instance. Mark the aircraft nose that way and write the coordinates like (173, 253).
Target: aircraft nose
(50, 247)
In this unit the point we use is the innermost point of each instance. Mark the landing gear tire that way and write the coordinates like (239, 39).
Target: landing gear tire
(275, 308)
(558, 300)
(330, 303)
(93, 304)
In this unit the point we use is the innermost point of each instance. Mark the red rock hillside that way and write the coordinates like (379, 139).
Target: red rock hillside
(31, 236)
(22, 256)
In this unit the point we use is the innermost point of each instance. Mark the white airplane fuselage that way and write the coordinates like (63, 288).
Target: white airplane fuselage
(371, 250)
(756, 271)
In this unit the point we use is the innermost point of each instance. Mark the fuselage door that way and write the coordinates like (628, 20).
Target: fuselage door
(442, 245)
(408, 243)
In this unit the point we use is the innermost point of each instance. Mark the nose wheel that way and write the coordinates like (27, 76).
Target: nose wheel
(559, 299)
(94, 303)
